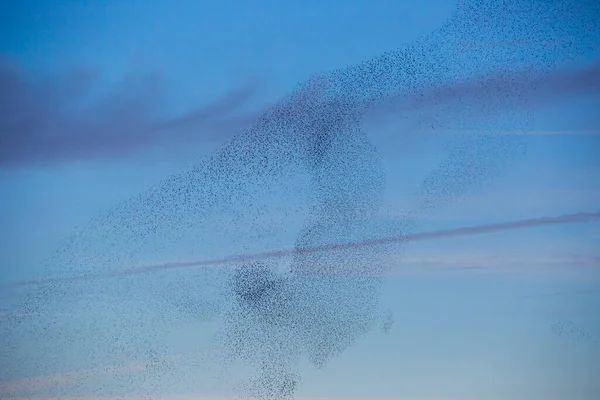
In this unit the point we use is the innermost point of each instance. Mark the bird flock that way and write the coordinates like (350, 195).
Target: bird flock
(266, 320)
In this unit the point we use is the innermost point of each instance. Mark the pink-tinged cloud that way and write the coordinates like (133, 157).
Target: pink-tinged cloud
(58, 119)
(15, 387)
(19, 387)
(582, 217)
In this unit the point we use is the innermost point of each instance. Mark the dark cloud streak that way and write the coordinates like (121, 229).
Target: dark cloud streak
(40, 123)
(509, 89)
(55, 120)
(582, 217)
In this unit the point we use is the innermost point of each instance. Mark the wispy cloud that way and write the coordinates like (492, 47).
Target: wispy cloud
(60, 119)
(493, 261)
(12, 388)
(19, 389)
(68, 379)
(443, 104)
(515, 200)
(583, 217)
(57, 119)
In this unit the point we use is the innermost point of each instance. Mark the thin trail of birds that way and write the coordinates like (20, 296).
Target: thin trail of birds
(570, 330)
(575, 218)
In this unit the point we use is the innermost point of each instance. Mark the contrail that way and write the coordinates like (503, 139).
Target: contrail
(581, 217)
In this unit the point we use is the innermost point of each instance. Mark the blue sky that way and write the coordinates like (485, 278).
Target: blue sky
(473, 316)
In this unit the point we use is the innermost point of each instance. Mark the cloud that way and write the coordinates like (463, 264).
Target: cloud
(454, 102)
(60, 380)
(582, 217)
(478, 261)
(18, 389)
(75, 378)
(441, 234)
(57, 119)
(514, 200)
(66, 117)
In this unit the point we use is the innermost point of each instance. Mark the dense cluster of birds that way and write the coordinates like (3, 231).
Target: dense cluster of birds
(309, 146)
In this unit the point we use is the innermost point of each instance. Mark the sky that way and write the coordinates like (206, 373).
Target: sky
(102, 100)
